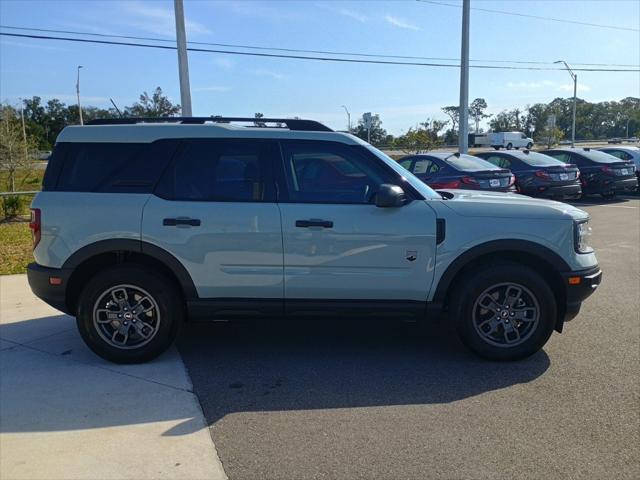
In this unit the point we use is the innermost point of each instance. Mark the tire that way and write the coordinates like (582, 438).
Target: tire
(133, 287)
(529, 146)
(497, 148)
(509, 146)
(488, 335)
(609, 195)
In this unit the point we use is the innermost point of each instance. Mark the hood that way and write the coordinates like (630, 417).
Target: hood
(481, 203)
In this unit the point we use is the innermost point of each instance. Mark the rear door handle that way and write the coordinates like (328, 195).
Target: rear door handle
(172, 222)
(314, 223)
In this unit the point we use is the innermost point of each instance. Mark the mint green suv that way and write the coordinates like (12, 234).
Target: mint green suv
(143, 224)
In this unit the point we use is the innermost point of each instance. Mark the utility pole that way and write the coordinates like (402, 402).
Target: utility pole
(78, 94)
(349, 118)
(627, 137)
(463, 128)
(183, 61)
(575, 89)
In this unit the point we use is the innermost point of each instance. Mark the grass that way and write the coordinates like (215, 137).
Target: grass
(15, 247)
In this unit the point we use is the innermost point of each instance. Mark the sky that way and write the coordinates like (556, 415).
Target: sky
(232, 85)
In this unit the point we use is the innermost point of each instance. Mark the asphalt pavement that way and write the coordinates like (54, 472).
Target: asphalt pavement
(387, 400)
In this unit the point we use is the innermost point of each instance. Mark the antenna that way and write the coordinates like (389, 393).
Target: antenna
(116, 107)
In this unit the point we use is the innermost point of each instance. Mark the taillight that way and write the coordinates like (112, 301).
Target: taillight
(542, 174)
(577, 174)
(607, 170)
(35, 225)
(453, 184)
(469, 181)
(512, 180)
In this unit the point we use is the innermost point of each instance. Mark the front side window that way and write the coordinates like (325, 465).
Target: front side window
(220, 170)
(323, 172)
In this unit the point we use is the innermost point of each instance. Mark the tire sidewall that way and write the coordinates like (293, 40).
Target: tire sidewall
(163, 292)
(478, 282)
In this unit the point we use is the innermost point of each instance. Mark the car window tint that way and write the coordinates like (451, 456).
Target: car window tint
(562, 156)
(468, 162)
(619, 153)
(539, 160)
(406, 163)
(220, 170)
(322, 172)
(423, 166)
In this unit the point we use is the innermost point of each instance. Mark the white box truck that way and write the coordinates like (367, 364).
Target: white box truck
(498, 140)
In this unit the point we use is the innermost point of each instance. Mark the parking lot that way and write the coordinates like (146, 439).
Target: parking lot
(332, 400)
(389, 401)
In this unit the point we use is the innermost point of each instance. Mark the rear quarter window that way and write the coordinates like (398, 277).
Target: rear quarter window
(108, 167)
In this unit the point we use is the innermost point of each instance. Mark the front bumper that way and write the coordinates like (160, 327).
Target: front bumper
(43, 282)
(579, 285)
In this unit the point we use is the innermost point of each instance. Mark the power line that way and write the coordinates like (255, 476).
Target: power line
(294, 50)
(304, 57)
(537, 17)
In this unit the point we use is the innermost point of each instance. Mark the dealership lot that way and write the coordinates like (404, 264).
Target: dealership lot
(332, 400)
(341, 401)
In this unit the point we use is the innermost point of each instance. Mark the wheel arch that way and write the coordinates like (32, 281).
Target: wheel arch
(104, 253)
(535, 256)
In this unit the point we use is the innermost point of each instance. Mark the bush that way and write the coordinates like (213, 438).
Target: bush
(11, 205)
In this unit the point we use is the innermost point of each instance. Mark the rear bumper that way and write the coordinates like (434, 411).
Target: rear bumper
(610, 185)
(579, 286)
(628, 184)
(40, 282)
(554, 191)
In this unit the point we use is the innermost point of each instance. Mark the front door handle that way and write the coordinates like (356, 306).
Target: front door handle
(172, 222)
(314, 223)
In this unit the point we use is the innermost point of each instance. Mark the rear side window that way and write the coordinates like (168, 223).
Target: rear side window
(107, 167)
(619, 154)
(220, 170)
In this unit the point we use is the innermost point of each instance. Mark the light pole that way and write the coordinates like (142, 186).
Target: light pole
(463, 129)
(183, 61)
(575, 88)
(78, 94)
(627, 137)
(348, 118)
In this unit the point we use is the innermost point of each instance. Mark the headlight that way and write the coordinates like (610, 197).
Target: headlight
(582, 236)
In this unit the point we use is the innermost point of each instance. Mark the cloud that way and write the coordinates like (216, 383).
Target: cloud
(157, 20)
(569, 87)
(260, 10)
(398, 22)
(261, 72)
(224, 63)
(345, 12)
(37, 46)
(212, 88)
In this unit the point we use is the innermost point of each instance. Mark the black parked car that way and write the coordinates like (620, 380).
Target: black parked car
(538, 175)
(599, 172)
(453, 170)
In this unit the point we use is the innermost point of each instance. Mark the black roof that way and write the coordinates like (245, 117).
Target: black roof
(291, 123)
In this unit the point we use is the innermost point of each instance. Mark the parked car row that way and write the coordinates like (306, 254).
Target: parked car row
(557, 173)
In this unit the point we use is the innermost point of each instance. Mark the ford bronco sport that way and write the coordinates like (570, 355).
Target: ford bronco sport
(143, 224)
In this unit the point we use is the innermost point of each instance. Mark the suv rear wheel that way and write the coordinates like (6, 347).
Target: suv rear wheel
(127, 314)
(504, 311)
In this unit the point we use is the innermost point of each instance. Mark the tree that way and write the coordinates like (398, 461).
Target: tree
(258, 115)
(476, 110)
(378, 134)
(453, 111)
(424, 137)
(156, 105)
(16, 148)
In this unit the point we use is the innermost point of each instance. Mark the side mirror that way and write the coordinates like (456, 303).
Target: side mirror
(389, 196)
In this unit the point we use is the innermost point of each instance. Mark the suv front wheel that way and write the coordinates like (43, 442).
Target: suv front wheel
(127, 314)
(504, 311)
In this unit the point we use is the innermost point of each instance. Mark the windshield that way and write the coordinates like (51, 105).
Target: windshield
(469, 162)
(600, 157)
(410, 177)
(539, 160)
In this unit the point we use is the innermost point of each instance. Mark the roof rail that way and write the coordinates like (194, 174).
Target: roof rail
(291, 123)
